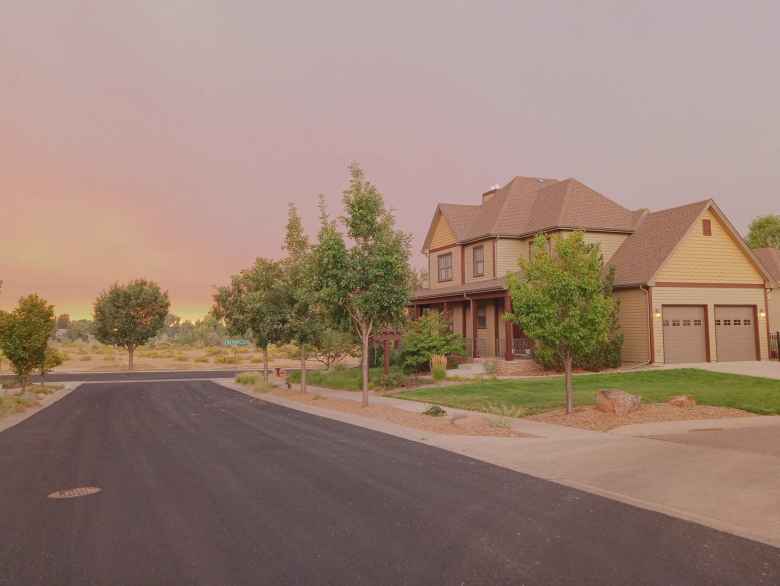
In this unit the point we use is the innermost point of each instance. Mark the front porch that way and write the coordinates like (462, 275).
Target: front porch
(479, 318)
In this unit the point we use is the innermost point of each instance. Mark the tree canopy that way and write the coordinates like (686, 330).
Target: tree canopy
(562, 300)
(764, 232)
(366, 284)
(128, 316)
(24, 335)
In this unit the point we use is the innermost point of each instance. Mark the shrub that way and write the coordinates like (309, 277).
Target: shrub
(394, 379)
(182, 358)
(490, 367)
(247, 378)
(202, 359)
(427, 337)
(439, 373)
(225, 360)
(435, 411)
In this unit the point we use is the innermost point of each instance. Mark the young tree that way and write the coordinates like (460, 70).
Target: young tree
(304, 321)
(562, 301)
(252, 306)
(427, 337)
(52, 358)
(764, 232)
(24, 335)
(128, 316)
(333, 345)
(367, 284)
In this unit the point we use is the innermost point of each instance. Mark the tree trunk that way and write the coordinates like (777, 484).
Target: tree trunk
(365, 337)
(567, 378)
(303, 368)
(130, 351)
(265, 364)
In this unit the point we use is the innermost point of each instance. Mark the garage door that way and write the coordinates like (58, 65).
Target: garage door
(684, 334)
(735, 333)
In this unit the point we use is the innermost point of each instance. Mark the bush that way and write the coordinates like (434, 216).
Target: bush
(435, 411)
(606, 356)
(247, 378)
(427, 337)
(202, 359)
(490, 367)
(439, 373)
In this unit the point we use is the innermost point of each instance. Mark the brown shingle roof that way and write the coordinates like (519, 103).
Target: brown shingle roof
(770, 258)
(473, 287)
(527, 205)
(642, 253)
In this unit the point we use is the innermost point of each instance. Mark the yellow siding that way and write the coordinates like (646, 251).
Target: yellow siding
(633, 319)
(433, 267)
(508, 254)
(709, 296)
(709, 259)
(609, 243)
(442, 234)
(488, 246)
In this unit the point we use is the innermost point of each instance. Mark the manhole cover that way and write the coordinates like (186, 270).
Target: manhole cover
(74, 493)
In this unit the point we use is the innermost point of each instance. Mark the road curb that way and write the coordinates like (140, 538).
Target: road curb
(15, 419)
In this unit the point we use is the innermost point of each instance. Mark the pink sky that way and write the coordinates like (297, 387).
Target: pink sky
(164, 139)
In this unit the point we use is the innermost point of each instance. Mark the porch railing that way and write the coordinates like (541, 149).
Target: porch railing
(774, 346)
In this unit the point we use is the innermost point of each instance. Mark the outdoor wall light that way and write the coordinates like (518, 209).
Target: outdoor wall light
(657, 313)
(762, 314)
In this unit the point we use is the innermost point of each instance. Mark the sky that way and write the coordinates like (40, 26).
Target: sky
(165, 139)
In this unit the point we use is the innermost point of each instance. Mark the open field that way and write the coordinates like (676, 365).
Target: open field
(94, 357)
(533, 396)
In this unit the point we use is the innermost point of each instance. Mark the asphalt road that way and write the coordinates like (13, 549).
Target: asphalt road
(202, 485)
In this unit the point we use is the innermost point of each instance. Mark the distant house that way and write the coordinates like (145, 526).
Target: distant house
(690, 290)
(770, 258)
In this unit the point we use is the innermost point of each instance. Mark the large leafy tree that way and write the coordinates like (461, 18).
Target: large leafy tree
(365, 284)
(128, 316)
(562, 301)
(24, 335)
(764, 232)
(253, 306)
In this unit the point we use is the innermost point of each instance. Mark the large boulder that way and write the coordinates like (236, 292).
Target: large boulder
(616, 401)
(682, 401)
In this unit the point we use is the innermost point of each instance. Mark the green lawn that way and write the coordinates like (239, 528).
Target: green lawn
(347, 379)
(759, 395)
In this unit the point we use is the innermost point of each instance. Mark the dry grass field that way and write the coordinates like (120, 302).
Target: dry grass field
(95, 357)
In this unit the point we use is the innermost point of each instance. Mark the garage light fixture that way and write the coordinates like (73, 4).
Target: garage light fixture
(657, 313)
(762, 314)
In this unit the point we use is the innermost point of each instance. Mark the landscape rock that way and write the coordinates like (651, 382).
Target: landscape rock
(616, 401)
(682, 401)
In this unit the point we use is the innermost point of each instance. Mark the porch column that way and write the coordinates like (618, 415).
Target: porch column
(473, 309)
(508, 354)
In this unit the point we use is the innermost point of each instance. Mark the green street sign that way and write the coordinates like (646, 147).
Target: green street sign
(236, 342)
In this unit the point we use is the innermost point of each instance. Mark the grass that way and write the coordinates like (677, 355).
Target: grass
(530, 396)
(254, 381)
(17, 403)
(347, 379)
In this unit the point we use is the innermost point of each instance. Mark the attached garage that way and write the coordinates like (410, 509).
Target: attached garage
(685, 333)
(736, 333)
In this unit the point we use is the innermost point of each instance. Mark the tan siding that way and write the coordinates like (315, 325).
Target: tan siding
(442, 234)
(433, 267)
(709, 259)
(508, 254)
(469, 250)
(774, 310)
(710, 297)
(487, 337)
(609, 243)
(633, 319)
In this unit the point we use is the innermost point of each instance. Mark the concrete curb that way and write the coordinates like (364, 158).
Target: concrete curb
(672, 427)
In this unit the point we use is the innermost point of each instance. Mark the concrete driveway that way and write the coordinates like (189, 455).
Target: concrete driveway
(764, 368)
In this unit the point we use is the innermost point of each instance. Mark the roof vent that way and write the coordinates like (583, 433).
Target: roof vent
(488, 195)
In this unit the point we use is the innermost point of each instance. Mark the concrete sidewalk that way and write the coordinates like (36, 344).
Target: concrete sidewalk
(728, 490)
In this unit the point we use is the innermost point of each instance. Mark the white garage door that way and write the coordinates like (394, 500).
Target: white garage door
(735, 333)
(684, 334)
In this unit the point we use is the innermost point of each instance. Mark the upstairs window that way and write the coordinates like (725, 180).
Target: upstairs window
(445, 267)
(479, 261)
(706, 227)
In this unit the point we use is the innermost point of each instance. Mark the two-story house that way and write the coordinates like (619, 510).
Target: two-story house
(690, 290)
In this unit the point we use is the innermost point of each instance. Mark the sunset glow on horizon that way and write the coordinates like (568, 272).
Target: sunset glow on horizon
(164, 140)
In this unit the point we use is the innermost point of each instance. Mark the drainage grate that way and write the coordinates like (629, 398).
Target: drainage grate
(74, 493)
